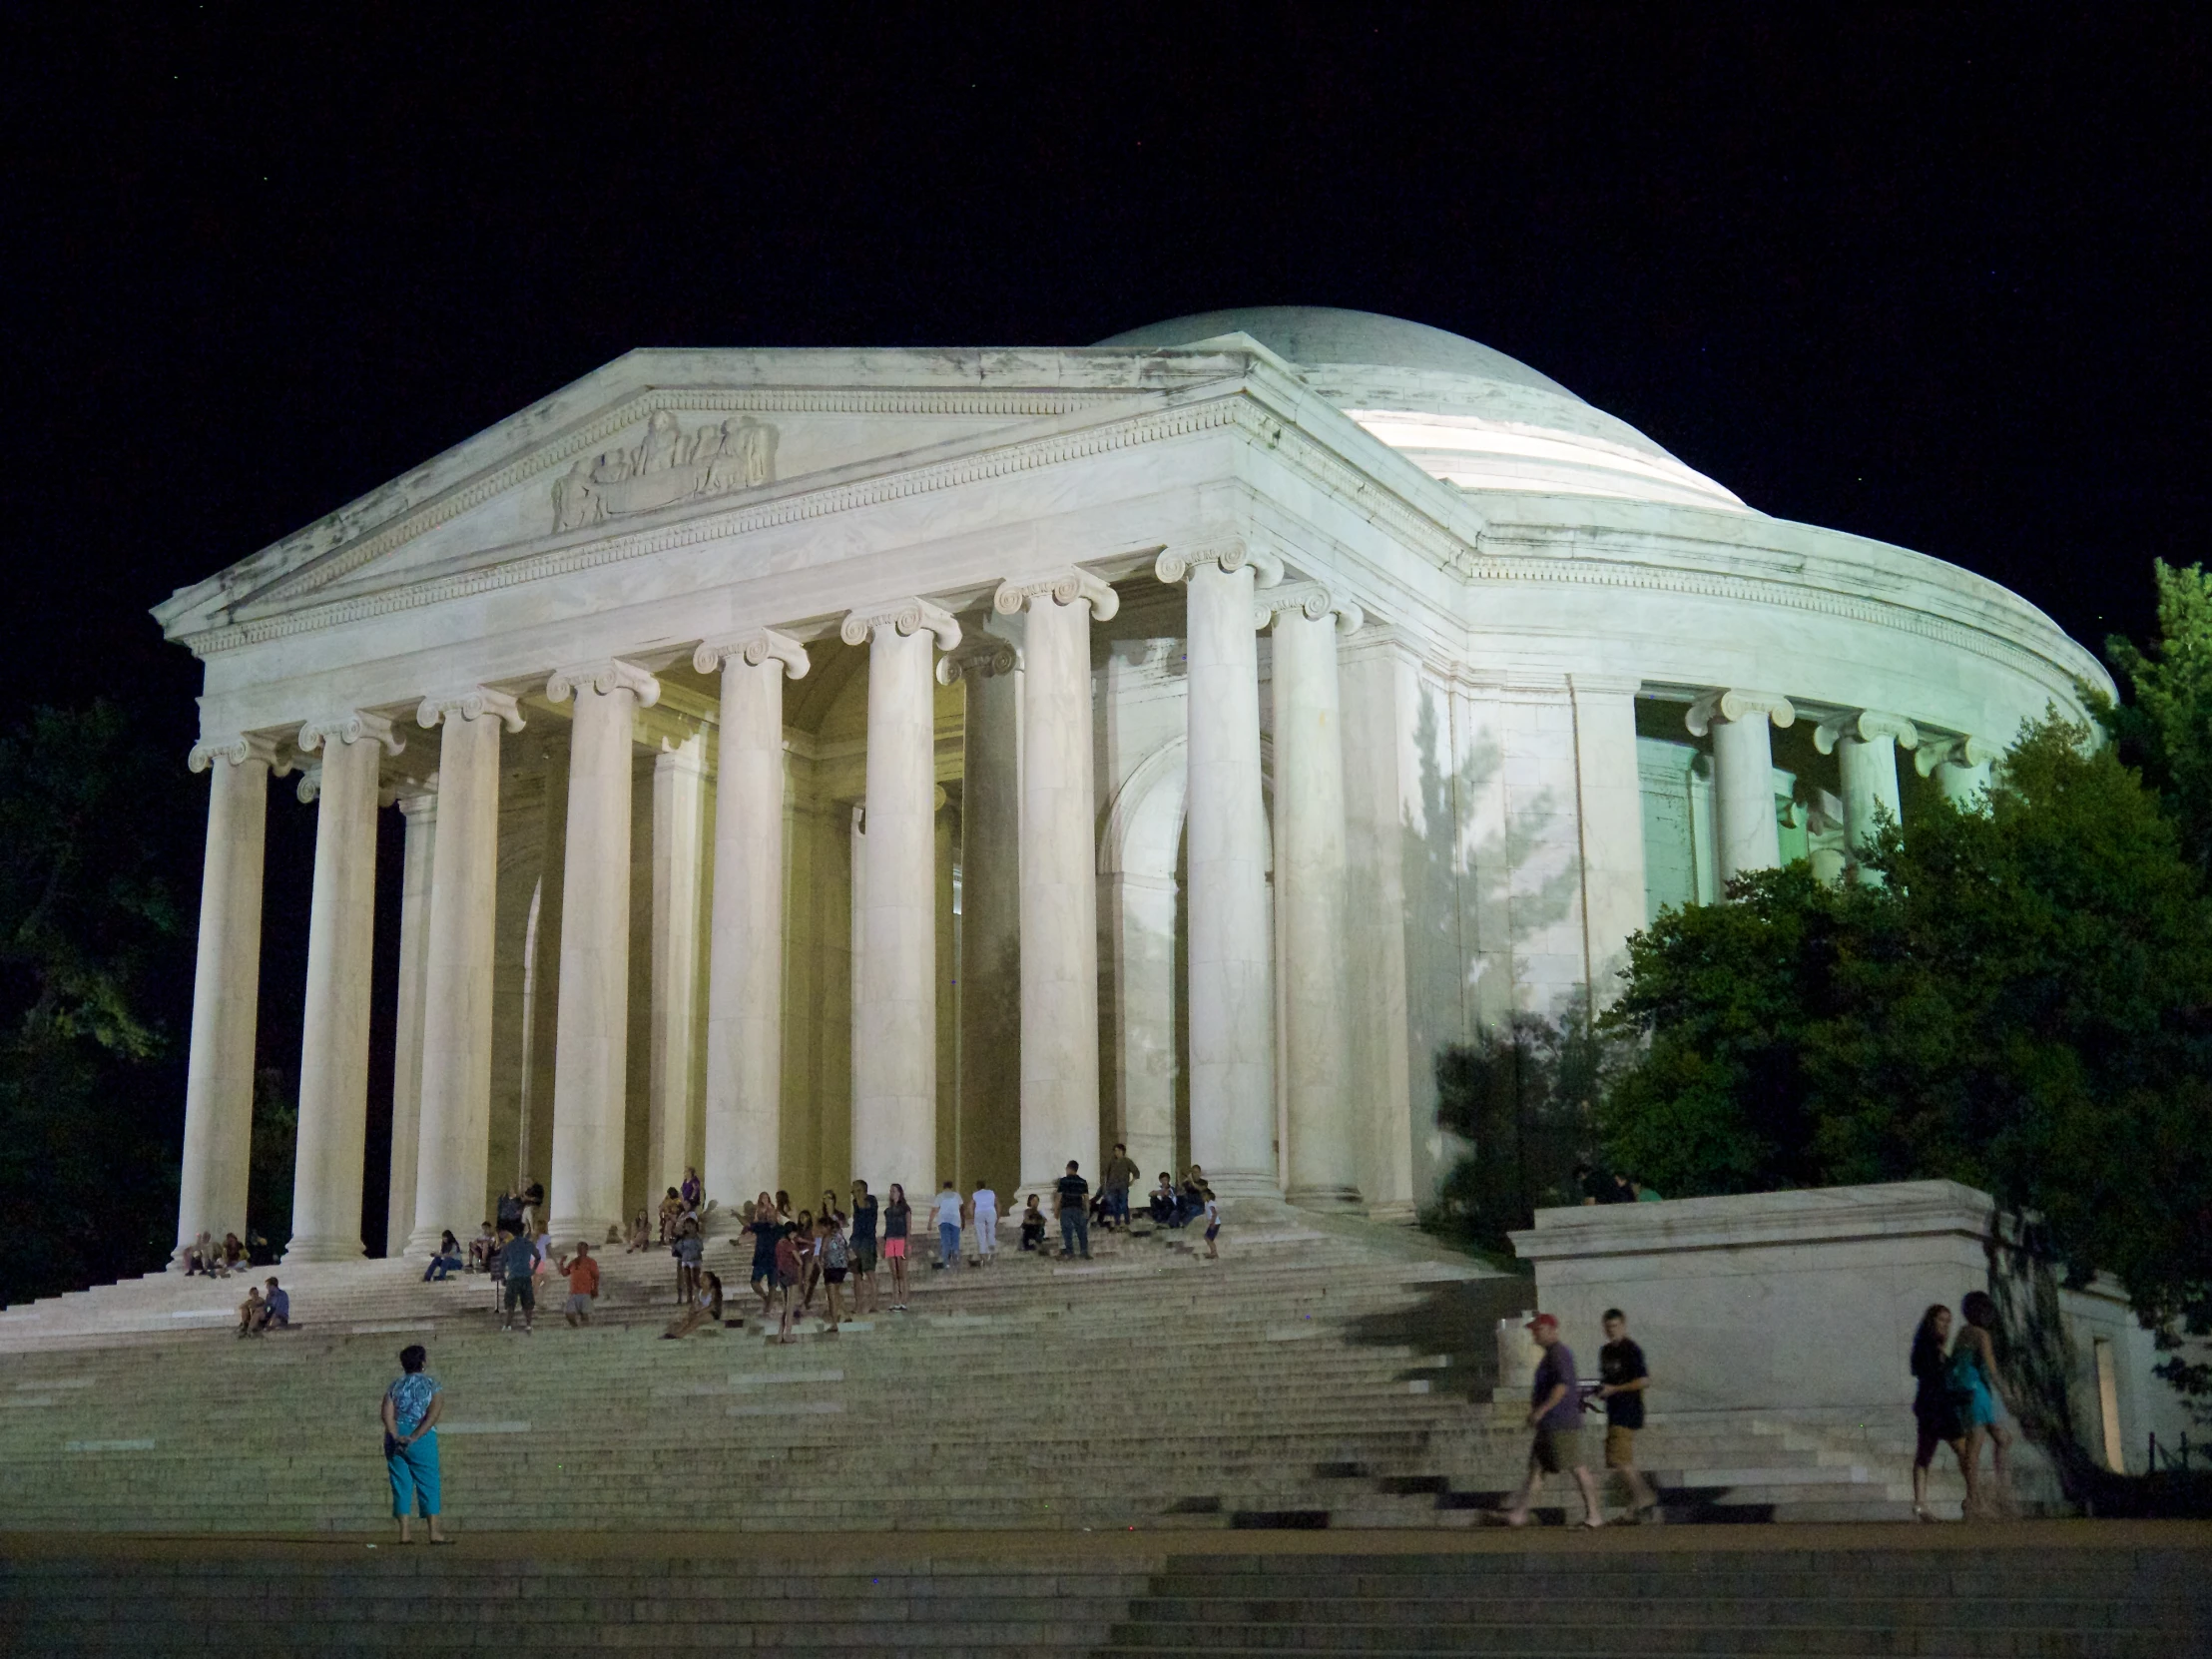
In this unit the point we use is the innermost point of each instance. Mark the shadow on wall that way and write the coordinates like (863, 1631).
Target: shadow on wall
(1492, 872)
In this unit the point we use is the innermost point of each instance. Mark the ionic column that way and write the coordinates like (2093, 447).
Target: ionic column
(451, 1175)
(1059, 874)
(895, 1015)
(1961, 767)
(1232, 1025)
(1743, 774)
(989, 669)
(745, 948)
(1310, 873)
(592, 1033)
(679, 827)
(333, 1053)
(1866, 745)
(226, 991)
(416, 863)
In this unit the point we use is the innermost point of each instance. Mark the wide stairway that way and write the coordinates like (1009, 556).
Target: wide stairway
(2076, 1589)
(1320, 1374)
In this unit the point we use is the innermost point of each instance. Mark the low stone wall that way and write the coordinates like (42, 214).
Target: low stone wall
(1805, 1303)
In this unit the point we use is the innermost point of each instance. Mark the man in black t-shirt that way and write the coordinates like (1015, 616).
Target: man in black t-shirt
(1623, 1377)
(1075, 1213)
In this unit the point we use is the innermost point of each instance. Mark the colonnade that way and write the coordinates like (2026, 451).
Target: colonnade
(894, 1040)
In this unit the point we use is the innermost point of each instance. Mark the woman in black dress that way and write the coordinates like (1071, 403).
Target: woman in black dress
(1933, 1406)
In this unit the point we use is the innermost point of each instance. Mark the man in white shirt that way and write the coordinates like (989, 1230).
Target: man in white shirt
(948, 1228)
(983, 1204)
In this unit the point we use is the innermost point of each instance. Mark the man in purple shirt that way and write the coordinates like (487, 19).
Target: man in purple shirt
(1555, 1413)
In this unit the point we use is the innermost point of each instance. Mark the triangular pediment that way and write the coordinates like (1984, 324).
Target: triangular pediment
(659, 437)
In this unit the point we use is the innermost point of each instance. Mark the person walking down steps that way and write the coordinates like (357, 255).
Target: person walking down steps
(410, 1416)
(1555, 1413)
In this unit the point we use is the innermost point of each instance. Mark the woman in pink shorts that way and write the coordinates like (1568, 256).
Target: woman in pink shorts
(897, 1214)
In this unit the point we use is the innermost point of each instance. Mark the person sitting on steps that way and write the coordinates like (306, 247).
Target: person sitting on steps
(1032, 1226)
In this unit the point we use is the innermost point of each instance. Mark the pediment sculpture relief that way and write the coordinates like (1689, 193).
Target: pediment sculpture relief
(664, 468)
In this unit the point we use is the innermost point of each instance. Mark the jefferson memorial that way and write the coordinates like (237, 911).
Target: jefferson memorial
(925, 765)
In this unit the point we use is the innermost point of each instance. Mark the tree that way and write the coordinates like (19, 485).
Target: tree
(95, 975)
(2166, 727)
(2023, 1005)
(1523, 1100)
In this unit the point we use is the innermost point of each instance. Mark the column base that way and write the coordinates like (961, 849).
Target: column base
(1398, 1212)
(719, 1223)
(323, 1249)
(1240, 1183)
(1345, 1199)
(562, 1232)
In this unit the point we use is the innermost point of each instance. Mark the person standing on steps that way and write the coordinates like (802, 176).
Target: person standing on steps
(1213, 1223)
(786, 1279)
(1979, 1396)
(864, 1212)
(582, 1274)
(1555, 1413)
(692, 1192)
(1934, 1412)
(898, 1215)
(766, 1228)
(983, 1210)
(1075, 1213)
(835, 1259)
(948, 1228)
(1120, 1171)
(517, 1261)
(410, 1416)
(1623, 1378)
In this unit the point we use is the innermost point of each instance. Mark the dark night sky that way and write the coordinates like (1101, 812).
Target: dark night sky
(1934, 280)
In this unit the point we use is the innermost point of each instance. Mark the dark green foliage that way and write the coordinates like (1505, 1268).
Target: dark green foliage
(95, 987)
(2165, 728)
(2023, 1005)
(1523, 1101)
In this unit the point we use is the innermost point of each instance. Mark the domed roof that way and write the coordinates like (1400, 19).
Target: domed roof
(1312, 335)
(1463, 413)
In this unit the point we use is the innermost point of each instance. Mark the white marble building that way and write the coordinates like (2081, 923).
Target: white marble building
(912, 764)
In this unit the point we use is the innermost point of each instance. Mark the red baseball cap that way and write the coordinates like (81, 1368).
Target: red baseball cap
(1542, 1319)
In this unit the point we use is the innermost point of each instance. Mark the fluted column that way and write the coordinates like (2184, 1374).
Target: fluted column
(451, 1173)
(226, 990)
(333, 1053)
(592, 1033)
(895, 1017)
(988, 667)
(1059, 879)
(1309, 874)
(1232, 1023)
(745, 948)
(1743, 774)
(1959, 766)
(1866, 745)
(417, 864)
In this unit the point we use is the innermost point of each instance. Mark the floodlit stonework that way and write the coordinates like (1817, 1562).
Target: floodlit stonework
(912, 764)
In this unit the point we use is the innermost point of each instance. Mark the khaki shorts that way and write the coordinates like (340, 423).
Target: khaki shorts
(1620, 1446)
(1558, 1450)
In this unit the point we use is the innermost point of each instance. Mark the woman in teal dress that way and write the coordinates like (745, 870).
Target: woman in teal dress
(1979, 1397)
(410, 1413)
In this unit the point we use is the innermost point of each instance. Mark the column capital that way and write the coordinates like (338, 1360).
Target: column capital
(419, 804)
(237, 749)
(1064, 587)
(1941, 750)
(355, 726)
(309, 788)
(1730, 705)
(1315, 600)
(1228, 554)
(606, 676)
(980, 657)
(470, 703)
(763, 645)
(1865, 726)
(909, 616)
